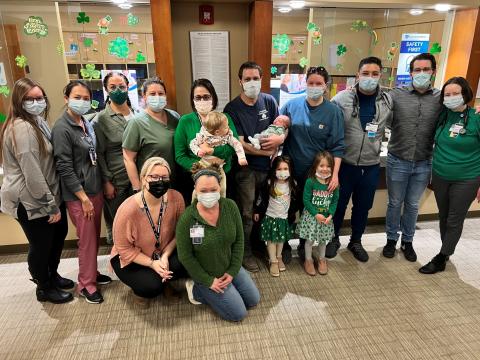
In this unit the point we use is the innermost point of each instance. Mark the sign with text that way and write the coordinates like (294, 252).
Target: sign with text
(411, 46)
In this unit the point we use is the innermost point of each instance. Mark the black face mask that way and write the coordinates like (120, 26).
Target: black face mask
(158, 188)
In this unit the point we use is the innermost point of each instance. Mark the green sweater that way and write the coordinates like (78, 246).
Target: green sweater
(457, 158)
(221, 250)
(318, 200)
(187, 129)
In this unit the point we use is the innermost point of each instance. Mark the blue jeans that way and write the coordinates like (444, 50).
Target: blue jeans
(406, 182)
(359, 183)
(232, 305)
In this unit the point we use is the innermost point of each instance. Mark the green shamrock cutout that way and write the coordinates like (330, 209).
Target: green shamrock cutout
(339, 67)
(436, 48)
(273, 70)
(391, 78)
(89, 72)
(95, 104)
(82, 18)
(132, 20)
(3, 117)
(359, 25)
(87, 42)
(4, 90)
(341, 50)
(312, 26)
(303, 62)
(34, 25)
(119, 48)
(140, 57)
(392, 51)
(282, 43)
(21, 61)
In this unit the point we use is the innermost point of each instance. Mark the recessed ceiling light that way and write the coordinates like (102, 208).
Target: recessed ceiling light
(285, 9)
(297, 4)
(443, 7)
(416, 12)
(119, 1)
(125, 6)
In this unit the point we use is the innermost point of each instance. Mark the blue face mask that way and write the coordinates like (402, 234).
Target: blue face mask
(422, 80)
(156, 103)
(36, 107)
(367, 83)
(79, 106)
(315, 92)
(453, 102)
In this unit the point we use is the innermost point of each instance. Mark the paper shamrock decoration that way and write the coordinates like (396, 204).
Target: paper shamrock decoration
(392, 51)
(140, 57)
(89, 72)
(436, 48)
(3, 117)
(119, 48)
(317, 37)
(95, 104)
(339, 67)
(21, 61)
(273, 70)
(34, 25)
(4, 90)
(82, 18)
(282, 43)
(103, 25)
(303, 62)
(341, 50)
(361, 25)
(132, 20)
(87, 42)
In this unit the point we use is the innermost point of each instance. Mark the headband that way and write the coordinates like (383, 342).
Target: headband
(207, 172)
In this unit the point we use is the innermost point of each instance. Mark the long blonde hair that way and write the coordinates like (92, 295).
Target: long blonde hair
(16, 111)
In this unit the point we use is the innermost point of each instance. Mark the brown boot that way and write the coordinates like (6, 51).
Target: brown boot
(274, 271)
(322, 267)
(281, 265)
(309, 267)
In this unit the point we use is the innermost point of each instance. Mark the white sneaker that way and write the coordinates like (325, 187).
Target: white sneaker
(189, 287)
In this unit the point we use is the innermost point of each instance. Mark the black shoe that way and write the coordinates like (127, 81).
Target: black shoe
(301, 253)
(408, 251)
(437, 264)
(389, 249)
(332, 248)
(48, 292)
(358, 251)
(103, 279)
(287, 255)
(62, 283)
(95, 298)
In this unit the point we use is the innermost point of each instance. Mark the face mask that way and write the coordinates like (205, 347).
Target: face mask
(36, 108)
(282, 174)
(453, 102)
(156, 103)
(368, 84)
(79, 106)
(208, 200)
(158, 188)
(321, 176)
(203, 107)
(315, 92)
(118, 96)
(252, 88)
(422, 81)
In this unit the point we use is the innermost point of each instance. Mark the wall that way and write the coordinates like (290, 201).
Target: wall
(229, 17)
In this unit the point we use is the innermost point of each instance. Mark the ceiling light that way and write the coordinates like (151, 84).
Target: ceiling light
(297, 4)
(125, 6)
(443, 7)
(119, 1)
(416, 12)
(285, 9)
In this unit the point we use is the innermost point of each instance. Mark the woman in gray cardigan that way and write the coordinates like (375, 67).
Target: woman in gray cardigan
(31, 191)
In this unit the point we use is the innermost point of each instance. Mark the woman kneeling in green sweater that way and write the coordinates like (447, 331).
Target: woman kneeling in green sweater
(210, 247)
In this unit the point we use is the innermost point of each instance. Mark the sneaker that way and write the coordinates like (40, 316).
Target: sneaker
(281, 264)
(250, 264)
(274, 270)
(322, 267)
(309, 267)
(437, 264)
(389, 249)
(95, 298)
(358, 251)
(332, 248)
(62, 283)
(408, 251)
(189, 287)
(103, 279)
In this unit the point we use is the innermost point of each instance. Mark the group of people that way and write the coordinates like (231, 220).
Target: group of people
(291, 172)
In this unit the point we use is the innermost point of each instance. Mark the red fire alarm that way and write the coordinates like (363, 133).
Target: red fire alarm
(206, 14)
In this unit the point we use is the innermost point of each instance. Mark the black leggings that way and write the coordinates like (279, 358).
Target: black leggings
(144, 281)
(46, 243)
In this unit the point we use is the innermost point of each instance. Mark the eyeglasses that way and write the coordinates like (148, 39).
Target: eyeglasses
(114, 87)
(157, 178)
(30, 100)
(425, 69)
(202, 97)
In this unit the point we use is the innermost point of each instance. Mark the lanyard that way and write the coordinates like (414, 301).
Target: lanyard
(156, 230)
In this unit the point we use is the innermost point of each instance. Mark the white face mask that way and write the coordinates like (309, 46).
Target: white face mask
(36, 108)
(322, 176)
(252, 88)
(367, 83)
(79, 106)
(209, 199)
(453, 102)
(315, 92)
(282, 174)
(422, 80)
(203, 107)
(156, 103)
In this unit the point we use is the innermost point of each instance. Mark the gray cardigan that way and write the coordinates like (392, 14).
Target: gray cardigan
(71, 151)
(28, 178)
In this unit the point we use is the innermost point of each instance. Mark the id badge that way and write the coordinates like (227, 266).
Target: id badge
(456, 129)
(93, 156)
(371, 130)
(197, 233)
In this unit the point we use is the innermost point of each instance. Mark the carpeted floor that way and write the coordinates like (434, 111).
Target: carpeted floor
(383, 309)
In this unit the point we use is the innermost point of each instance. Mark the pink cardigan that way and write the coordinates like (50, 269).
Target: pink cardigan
(133, 234)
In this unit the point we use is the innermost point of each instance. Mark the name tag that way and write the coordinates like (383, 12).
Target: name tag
(197, 233)
(456, 129)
